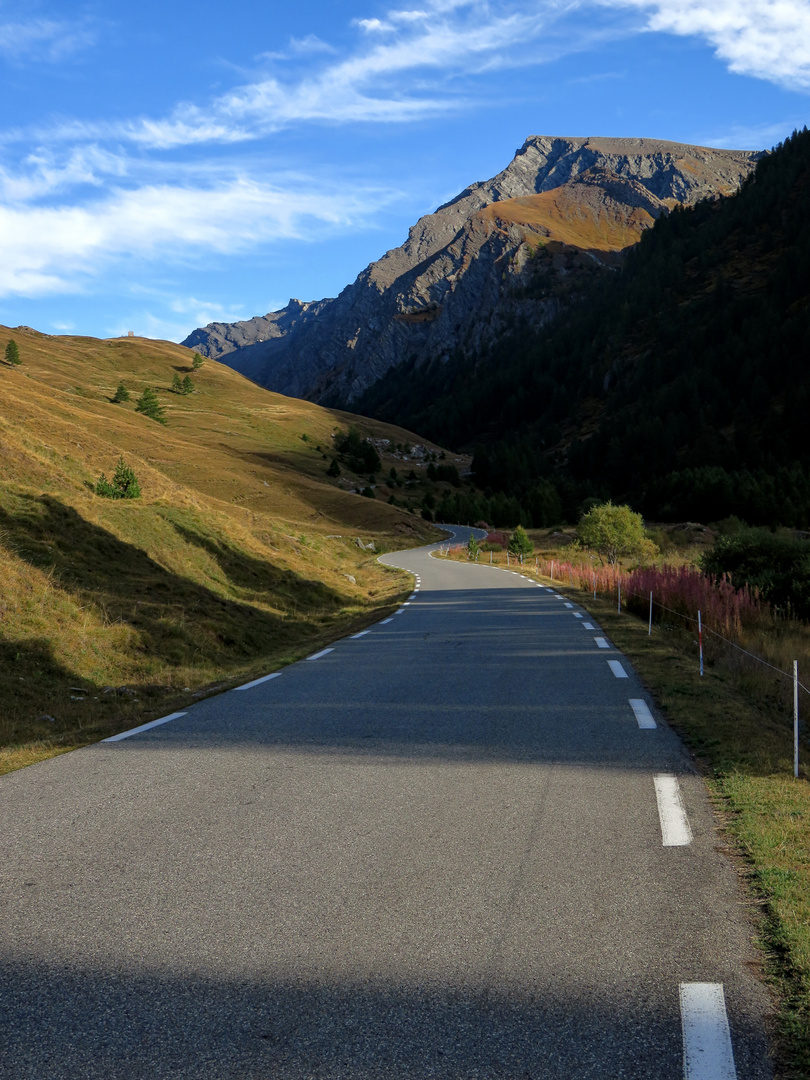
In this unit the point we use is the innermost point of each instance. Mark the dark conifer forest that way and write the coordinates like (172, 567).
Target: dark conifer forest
(680, 384)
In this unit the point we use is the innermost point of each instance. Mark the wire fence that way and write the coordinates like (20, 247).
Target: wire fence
(709, 605)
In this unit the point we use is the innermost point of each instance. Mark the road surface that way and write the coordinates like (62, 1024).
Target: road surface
(448, 847)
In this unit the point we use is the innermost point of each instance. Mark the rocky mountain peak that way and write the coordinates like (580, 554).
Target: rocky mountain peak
(461, 270)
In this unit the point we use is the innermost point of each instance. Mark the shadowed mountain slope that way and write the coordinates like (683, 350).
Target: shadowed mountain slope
(467, 271)
(680, 383)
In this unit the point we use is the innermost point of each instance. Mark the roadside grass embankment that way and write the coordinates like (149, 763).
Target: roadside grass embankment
(737, 720)
(240, 556)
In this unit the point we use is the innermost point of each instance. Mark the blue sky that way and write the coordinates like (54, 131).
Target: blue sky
(163, 165)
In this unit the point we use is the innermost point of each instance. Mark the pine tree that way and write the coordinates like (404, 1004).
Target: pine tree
(124, 484)
(121, 394)
(197, 362)
(188, 385)
(519, 543)
(177, 386)
(12, 353)
(149, 405)
(334, 468)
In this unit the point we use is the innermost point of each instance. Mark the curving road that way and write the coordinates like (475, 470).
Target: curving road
(448, 847)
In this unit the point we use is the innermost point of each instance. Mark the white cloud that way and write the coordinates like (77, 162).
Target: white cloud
(754, 137)
(310, 44)
(43, 39)
(202, 312)
(49, 249)
(381, 82)
(768, 39)
(43, 173)
(372, 26)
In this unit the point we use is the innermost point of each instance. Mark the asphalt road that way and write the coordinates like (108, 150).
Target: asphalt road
(436, 850)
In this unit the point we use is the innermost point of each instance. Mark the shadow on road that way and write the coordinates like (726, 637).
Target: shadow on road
(64, 1023)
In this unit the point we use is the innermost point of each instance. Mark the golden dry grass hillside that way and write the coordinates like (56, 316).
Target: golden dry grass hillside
(593, 213)
(240, 555)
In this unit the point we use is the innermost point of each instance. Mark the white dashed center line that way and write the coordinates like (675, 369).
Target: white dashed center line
(386, 620)
(256, 682)
(578, 615)
(601, 643)
(643, 714)
(318, 655)
(617, 669)
(707, 1050)
(361, 634)
(675, 830)
(144, 727)
(568, 605)
(588, 625)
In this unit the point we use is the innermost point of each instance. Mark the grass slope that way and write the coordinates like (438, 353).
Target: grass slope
(242, 554)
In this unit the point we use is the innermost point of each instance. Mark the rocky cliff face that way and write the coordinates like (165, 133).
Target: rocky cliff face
(511, 247)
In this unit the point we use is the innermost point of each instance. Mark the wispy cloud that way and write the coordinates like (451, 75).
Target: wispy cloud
(385, 79)
(752, 137)
(43, 39)
(85, 199)
(58, 248)
(769, 39)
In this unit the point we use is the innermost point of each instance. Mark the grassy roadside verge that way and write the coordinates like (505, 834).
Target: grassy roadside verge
(74, 710)
(743, 745)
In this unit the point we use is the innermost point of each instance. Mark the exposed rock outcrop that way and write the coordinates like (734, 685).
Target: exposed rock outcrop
(511, 247)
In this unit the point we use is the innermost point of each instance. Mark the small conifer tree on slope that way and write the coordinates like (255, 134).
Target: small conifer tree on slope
(124, 484)
(149, 405)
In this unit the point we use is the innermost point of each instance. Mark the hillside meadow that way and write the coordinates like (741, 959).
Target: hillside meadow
(240, 556)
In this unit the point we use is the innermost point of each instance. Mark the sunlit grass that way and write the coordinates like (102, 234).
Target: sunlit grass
(241, 555)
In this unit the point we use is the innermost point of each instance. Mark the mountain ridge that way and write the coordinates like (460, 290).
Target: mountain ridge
(454, 276)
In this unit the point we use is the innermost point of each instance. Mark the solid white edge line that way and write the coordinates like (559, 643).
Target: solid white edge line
(601, 643)
(675, 830)
(707, 1050)
(264, 678)
(318, 655)
(617, 669)
(361, 634)
(643, 715)
(144, 727)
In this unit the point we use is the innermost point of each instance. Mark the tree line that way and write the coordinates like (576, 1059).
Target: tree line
(679, 385)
